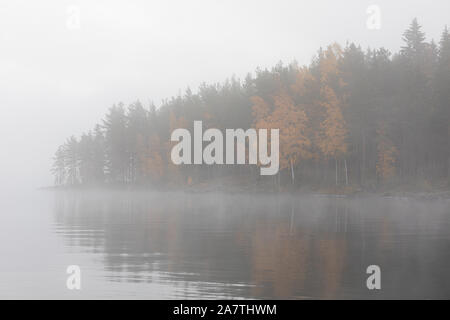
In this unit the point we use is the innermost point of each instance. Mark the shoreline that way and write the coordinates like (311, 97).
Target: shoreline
(399, 192)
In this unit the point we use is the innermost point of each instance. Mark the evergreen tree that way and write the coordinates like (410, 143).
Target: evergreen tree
(59, 166)
(116, 148)
(373, 116)
(72, 161)
(414, 40)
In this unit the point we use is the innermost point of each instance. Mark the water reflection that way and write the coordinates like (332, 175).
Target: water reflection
(247, 246)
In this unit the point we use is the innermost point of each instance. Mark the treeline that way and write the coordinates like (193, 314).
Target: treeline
(352, 117)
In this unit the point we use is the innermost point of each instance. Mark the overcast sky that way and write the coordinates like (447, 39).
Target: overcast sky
(58, 77)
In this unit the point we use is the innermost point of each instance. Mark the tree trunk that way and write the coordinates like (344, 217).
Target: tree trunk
(279, 180)
(291, 225)
(335, 160)
(363, 165)
(292, 173)
(448, 156)
(448, 171)
(346, 172)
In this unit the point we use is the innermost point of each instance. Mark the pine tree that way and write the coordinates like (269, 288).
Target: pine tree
(117, 158)
(59, 166)
(98, 156)
(380, 114)
(443, 97)
(136, 131)
(387, 155)
(414, 40)
(72, 161)
(85, 158)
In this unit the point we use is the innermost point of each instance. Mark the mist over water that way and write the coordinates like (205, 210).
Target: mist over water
(175, 245)
(90, 93)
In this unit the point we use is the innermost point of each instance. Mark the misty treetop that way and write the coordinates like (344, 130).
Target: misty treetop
(352, 117)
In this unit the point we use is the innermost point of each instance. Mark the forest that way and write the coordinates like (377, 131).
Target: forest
(352, 119)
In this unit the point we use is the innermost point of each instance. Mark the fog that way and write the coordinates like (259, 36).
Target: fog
(133, 245)
(56, 80)
(362, 160)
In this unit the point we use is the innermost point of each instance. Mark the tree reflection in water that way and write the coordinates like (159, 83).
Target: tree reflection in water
(262, 246)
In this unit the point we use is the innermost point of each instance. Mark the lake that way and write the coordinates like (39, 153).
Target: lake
(142, 245)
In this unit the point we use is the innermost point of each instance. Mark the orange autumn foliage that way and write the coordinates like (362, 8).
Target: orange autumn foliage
(332, 139)
(387, 156)
(333, 135)
(291, 119)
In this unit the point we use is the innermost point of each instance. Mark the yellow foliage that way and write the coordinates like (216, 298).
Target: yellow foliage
(333, 135)
(291, 120)
(387, 156)
(329, 68)
(302, 78)
(260, 109)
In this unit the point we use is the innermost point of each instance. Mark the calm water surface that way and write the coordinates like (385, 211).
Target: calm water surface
(175, 245)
